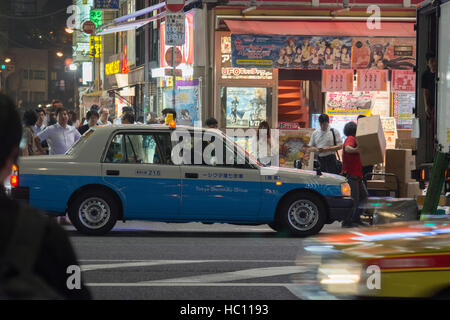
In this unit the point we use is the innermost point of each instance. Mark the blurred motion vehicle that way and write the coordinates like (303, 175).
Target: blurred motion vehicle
(399, 260)
(127, 172)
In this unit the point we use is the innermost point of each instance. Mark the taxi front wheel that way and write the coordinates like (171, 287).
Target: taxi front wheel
(300, 214)
(94, 212)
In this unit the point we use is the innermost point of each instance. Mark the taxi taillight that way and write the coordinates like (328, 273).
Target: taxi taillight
(14, 180)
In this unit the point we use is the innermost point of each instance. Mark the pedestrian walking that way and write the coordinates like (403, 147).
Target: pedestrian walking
(40, 122)
(92, 119)
(73, 119)
(104, 115)
(325, 142)
(352, 169)
(28, 144)
(60, 136)
(35, 253)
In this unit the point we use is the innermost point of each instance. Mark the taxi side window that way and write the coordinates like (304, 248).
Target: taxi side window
(230, 159)
(137, 148)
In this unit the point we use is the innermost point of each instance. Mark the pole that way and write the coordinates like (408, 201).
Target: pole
(173, 78)
(146, 68)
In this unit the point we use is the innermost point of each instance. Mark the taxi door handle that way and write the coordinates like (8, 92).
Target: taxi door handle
(191, 175)
(112, 172)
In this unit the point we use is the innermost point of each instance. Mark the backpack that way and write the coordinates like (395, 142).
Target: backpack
(18, 281)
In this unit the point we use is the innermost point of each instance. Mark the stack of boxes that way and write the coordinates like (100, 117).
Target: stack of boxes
(399, 161)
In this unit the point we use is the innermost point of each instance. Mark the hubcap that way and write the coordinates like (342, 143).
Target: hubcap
(94, 213)
(303, 215)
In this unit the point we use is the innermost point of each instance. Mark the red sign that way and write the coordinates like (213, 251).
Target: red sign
(178, 56)
(187, 50)
(174, 5)
(288, 125)
(337, 80)
(372, 80)
(403, 80)
(89, 27)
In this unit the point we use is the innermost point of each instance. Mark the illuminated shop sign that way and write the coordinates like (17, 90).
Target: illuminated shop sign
(112, 67)
(229, 72)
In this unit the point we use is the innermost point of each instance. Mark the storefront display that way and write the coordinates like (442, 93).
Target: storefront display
(390, 131)
(403, 106)
(245, 107)
(337, 122)
(403, 80)
(291, 52)
(383, 53)
(186, 104)
(293, 147)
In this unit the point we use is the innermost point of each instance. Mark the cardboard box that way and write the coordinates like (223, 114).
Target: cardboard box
(410, 190)
(405, 144)
(370, 137)
(400, 162)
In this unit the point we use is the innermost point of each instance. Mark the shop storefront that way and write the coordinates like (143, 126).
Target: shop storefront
(188, 85)
(301, 69)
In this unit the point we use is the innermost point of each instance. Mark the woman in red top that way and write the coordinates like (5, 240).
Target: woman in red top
(352, 169)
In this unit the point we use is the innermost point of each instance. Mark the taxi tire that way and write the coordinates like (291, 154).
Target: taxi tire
(282, 224)
(105, 196)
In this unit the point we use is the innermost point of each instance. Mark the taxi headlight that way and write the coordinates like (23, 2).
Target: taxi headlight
(340, 277)
(345, 189)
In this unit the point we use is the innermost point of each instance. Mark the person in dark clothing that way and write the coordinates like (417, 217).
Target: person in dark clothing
(92, 119)
(212, 123)
(429, 90)
(55, 254)
(352, 169)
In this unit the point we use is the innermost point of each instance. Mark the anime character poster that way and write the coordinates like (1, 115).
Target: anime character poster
(291, 52)
(293, 147)
(384, 53)
(245, 107)
(186, 104)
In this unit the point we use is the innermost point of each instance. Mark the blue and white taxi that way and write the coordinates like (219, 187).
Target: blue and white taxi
(128, 172)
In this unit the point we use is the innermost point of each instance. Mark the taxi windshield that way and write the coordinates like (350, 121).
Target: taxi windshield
(73, 149)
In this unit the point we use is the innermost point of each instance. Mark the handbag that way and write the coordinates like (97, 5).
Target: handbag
(338, 160)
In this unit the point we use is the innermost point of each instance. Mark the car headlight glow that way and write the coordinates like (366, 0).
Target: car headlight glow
(345, 189)
(340, 277)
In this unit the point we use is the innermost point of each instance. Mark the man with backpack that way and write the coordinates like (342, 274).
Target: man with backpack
(36, 256)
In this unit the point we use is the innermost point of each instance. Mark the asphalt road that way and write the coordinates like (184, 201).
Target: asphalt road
(193, 261)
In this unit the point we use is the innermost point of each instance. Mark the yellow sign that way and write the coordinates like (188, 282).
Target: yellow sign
(448, 135)
(96, 45)
(112, 67)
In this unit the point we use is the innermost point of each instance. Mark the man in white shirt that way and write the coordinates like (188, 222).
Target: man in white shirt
(323, 144)
(103, 120)
(40, 125)
(60, 136)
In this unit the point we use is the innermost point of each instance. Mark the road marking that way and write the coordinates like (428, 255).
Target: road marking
(235, 275)
(184, 261)
(198, 284)
(91, 267)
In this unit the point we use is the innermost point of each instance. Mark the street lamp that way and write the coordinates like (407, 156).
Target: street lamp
(7, 60)
(73, 67)
(60, 54)
(69, 30)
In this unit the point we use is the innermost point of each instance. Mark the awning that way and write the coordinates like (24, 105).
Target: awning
(133, 25)
(321, 28)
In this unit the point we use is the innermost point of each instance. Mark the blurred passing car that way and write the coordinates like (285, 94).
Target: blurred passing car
(129, 172)
(399, 260)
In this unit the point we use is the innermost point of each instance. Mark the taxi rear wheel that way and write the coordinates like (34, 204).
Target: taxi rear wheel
(300, 214)
(94, 212)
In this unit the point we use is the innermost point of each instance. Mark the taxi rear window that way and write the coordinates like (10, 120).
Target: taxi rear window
(79, 142)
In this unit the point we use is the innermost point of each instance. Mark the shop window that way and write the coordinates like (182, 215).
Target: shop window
(245, 107)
